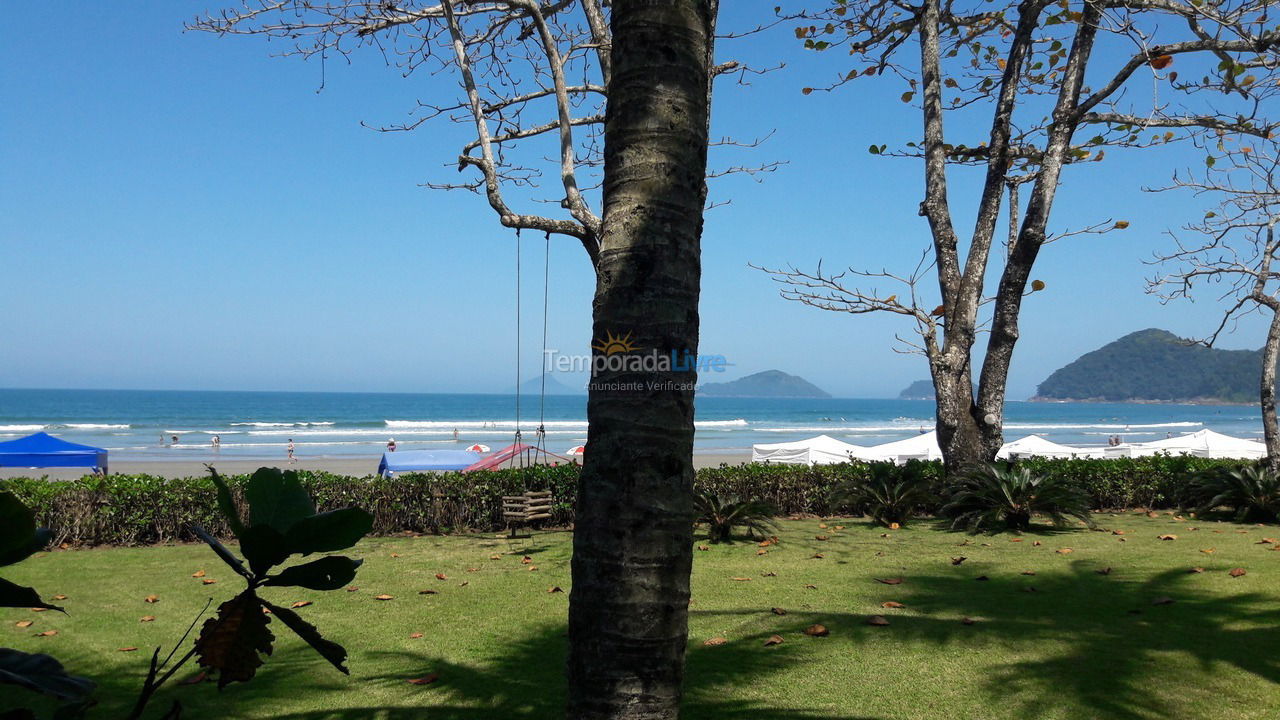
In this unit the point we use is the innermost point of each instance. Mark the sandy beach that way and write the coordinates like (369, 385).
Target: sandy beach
(343, 466)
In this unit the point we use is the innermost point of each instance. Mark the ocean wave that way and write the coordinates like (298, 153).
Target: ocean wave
(450, 425)
(1099, 426)
(20, 428)
(94, 426)
(280, 424)
(738, 422)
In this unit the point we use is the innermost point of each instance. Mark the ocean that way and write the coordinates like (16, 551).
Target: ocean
(139, 425)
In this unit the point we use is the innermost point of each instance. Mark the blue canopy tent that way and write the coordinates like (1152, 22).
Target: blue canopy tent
(43, 450)
(425, 461)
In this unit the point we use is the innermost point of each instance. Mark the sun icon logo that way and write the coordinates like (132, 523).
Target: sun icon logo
(613, 344)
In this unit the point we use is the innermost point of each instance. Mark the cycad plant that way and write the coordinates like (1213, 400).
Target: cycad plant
(1252, 492)
(888, 493)
(722, 515)
(997, 496)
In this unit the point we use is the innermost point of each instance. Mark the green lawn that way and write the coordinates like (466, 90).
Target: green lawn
(1067, 642)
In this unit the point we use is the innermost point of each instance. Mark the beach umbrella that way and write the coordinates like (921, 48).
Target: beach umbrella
(577, 450)
(479, 448)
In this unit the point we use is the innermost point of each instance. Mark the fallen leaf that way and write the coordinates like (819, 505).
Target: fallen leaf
(822, 526)
(762, 551)
(301, 604)
(1263, 541)
(1196, 570)
(1237, 572)
(890, 581)
(891, 604)
(353, 588)
(147, 618)
(1168, 537)
(817, 556)
(1152, 514)
(59, 597)
(194, 679)
(151, 599)
(384, 597)
(967, 621)
(441, 576)
(958, 560)
(1028, 572)
(894, 526)
(495, 556)
(769, 573)
(414, 636)
(1064, 551)
(1208, 551)
(713, 642)
(821, 537)
(777, 611)
(704, 548)
(884, 534)
(126, 649)
(526, 560)
(424, 680)
(39, 609)
(208, 581)
(1163, 601)
(810, 587)
(1037, 543)
(1015, 539)
(878, 620)
(427, 592)
(742, 579)
(982, 578)
(1103, 571)
(817, 630)
(766, 543)
(1117, 532)
(554, 589)
(395, 555)
(533, 568)
(24, 623)
(47, 633)
(473, 569)
(465, 583)
(198, 574)
(839, 527)
(773, 640)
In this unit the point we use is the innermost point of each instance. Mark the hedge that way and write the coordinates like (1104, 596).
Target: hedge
(144, 509)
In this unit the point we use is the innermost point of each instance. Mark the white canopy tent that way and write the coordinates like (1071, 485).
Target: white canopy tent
(1201, 443)
(920, 447)
(1036, 446)
(820, 450)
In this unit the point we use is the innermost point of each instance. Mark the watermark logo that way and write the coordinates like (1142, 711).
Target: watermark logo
(612, 344)
(618, 352)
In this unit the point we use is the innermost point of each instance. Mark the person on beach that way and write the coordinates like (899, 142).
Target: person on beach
(292, 459)
(217, 443)
(455, 434)
(175, 439)
(391, 445)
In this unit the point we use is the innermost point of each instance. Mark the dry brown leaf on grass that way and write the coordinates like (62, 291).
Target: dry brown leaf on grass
(301, 604)
(147, 618)
(1015, 539)
(1196, 570)
(554, 589)
(769, 573)
(1028, 572)
(817, 630)
(126, 649)
(1263, 541)
(810, 587)
(24, 623)
(958, 560)
(533, 568)
(1163, 601)
(704, 548)
(151, 599)
(428, 592)
(777, 611)
(821, 537)
(384, 597)
(713, 642)
(1064, 551)
(892, 604)
(1237, 572)
(424, 680)
(395, 555)
(495, 557)
(198, 574)
(353, 588)
(465, 583)
(39, 609)
(415, 636)
(762, 551)
(822, 526)
(818, 556)
(1167, 537)
(473, 569)
(1037, 543)
(47, 633)
(773, 640)
(839, 527)
(894, 526)
(59, 597)
(890, 581)
(441, 576)
(878, 620)
(1117, 532)
(208, 581)
(967, 621)
(1103, 571)
(742, 579)
(526, 560)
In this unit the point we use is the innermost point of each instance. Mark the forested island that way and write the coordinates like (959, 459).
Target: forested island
(770, 383)
(1157, 366)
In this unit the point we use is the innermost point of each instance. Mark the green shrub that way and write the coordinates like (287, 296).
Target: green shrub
(1252, 492)
(723, 515)
(144, 509)
(888, 493)
(997, 496)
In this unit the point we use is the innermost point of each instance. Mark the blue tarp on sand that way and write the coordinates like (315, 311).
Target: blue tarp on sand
(43, 450)
(425, 461)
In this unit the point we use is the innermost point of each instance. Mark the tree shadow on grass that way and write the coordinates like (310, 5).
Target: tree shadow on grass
(1099, 643)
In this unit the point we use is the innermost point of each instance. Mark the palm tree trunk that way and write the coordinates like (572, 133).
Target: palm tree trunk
(633, 536)
(1270, 426)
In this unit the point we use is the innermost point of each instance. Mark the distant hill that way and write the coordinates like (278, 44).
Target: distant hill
(770, 383)
(533, 386)
(920, 390)
(1157, 366)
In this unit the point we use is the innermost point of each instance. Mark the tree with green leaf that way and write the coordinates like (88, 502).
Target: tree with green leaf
(1055, 84)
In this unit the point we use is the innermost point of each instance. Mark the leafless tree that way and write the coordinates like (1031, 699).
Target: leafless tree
(1037, 73)
(1231, 253)
(612, 99)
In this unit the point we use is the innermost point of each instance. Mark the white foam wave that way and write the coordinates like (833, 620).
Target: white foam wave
(96, 426)
(739, 422)
(280, 424)
(450, 425)
(20, 428)
(1098, 426)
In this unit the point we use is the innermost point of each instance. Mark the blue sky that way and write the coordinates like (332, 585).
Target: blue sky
(183, 211)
